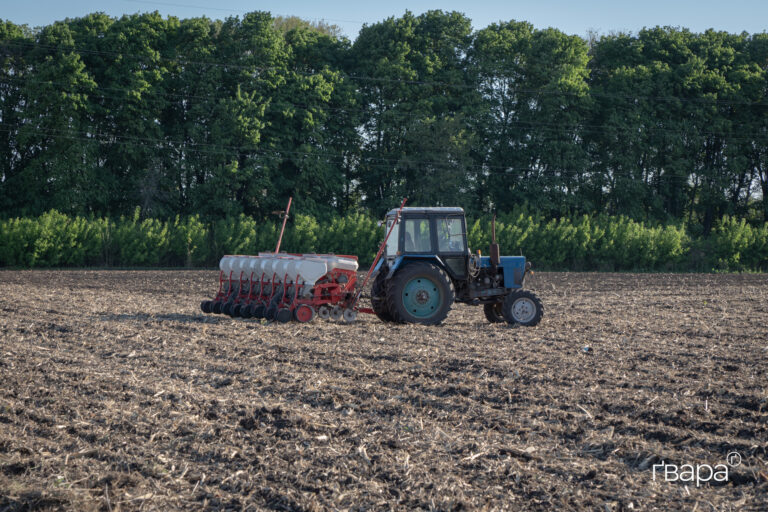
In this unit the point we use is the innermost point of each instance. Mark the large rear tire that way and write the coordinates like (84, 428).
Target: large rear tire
(522, 307)
(379, 297)
(420, 293)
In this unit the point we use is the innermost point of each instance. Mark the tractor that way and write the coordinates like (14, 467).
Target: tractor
(426, 266)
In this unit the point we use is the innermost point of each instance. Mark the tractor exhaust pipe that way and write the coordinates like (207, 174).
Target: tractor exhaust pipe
(494, 248)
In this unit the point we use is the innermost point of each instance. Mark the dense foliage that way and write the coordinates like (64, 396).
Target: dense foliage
(199, 122)
(578, 242)
(217, 118)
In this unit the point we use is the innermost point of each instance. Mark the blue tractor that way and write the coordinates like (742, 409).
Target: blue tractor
(427, 266)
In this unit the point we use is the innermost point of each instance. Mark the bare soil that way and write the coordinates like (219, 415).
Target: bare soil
(117, 393)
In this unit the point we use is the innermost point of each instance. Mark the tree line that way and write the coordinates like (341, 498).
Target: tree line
(218, 118)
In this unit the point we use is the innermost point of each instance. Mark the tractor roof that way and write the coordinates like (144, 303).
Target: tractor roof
(418, 210)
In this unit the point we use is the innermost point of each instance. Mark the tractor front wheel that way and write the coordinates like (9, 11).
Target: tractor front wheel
(493, 312)
(522, 307)
(420, 293)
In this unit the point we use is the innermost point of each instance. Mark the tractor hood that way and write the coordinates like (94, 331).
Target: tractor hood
(512, 266)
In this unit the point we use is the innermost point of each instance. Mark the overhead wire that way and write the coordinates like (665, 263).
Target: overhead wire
(280, 105)
(225, 9)
(375, 162)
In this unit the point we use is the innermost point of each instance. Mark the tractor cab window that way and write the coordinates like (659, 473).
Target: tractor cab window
(417, 236)
(450, 235)
(391, 249)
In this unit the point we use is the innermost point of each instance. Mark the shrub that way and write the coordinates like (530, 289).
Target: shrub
(569, 243)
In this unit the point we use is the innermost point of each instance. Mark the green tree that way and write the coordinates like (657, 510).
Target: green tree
(533, 84)
(54, 155)
(416, 81)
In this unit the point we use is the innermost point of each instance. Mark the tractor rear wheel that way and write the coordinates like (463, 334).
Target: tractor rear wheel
(522, 307)
(494, 312)
(379, 297)
(420, 293)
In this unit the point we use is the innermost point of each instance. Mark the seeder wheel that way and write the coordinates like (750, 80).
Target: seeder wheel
(304, 313)
(283, 315)
(271, 313)
(245, 311)
(236, 310)
(350, 315)
(206, 306)
(324, 312)
(337, 313)
(217, 306)
(257, 310)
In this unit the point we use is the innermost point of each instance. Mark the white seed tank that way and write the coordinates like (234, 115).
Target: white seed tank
(289, 268)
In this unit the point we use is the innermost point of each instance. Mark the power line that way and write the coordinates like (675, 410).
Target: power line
(279, 106)
(381, 163)
(172, 4)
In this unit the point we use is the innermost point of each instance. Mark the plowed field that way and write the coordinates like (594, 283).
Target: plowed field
(117, 393)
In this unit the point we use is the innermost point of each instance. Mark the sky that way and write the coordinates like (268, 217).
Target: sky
(572, 17)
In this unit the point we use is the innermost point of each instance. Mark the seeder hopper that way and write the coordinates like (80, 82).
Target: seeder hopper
(281, 287)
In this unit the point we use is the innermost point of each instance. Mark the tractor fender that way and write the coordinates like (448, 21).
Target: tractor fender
(378, 266)
(400, 260)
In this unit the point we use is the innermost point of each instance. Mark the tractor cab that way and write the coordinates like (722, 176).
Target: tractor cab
(428, 233)
(427, 266)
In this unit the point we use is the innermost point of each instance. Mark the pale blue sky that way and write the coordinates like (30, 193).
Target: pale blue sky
(572, 17)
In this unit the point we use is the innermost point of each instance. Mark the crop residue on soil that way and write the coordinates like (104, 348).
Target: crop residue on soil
(116, 392)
